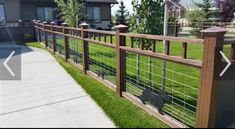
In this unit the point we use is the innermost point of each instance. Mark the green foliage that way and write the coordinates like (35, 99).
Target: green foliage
(195, 15)
(205, 6)
(122, 14)
(70, 10)
(202, 13)
(148, 17)
(225, 10)
(172, 18)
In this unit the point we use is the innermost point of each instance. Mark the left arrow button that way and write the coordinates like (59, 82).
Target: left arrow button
(6, 65)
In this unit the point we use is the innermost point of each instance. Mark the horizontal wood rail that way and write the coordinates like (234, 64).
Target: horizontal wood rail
(100, 43)
(168, 38)
(122, 42)
(229, 40)
(205, 24)
(100, 31)
(175, 59)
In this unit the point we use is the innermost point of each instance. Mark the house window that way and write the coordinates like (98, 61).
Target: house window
(94, 14)
(45, 13)
(2, 15)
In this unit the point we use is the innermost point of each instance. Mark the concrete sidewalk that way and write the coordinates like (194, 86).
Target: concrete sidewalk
(46, 96)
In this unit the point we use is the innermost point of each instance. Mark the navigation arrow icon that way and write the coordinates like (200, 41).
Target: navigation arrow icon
(228, 61)
(6, 61)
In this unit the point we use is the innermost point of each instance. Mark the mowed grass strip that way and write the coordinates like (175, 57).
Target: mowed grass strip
(123, 113)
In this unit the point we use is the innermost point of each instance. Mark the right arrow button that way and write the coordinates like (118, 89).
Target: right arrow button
(228, 61)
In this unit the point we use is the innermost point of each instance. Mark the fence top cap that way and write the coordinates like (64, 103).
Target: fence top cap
(38, 21)
(214, 29)
(64, 24)
(44, 22)
(52, 23)
(120, 26)
(84, 24)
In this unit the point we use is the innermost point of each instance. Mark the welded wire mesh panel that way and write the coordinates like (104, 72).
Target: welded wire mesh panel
(75, 50)
(50, 40)
(102, 61)
(60, 44)
(173, 93)
(37, 34)
(42, 36)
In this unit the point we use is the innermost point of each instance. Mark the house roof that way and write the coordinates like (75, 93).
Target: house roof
(177, 5)
(103, 1)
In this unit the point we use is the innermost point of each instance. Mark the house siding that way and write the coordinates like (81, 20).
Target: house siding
(26, 10)
(105, 15)
(12, 9)
(29, 9)
(105, 10)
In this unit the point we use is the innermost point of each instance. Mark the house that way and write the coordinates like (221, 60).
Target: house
(97, 12)
(176, 9)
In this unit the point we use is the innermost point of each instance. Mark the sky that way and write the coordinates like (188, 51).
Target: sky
(185, 3)
(127, 4)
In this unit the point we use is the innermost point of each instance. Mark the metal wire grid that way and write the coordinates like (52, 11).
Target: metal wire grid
(37, 34)
(181, 85)
(103, 60)
(60, 44)
(50, 40)
(75, 50)
(42, 36)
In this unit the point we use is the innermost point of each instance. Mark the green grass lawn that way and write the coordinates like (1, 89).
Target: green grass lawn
(181, 81)
(123, 113)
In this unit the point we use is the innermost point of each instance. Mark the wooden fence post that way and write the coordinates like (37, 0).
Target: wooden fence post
(35, 30)
(53, 36)
(21, 29)
(202, 28)
(209, 79)
(39, 32)
(66, 41)
(120, 56)
(45, 34)
(176, 29)
(85, 54)
(233, 52)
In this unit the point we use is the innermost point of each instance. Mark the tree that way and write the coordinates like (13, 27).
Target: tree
(70, 11)
(147, 19)
(202, 13)
(195, 15)
(122, 14)
(226, 9)
(206, 8)
(148, 16)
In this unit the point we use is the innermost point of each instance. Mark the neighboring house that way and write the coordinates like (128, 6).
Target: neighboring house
(177, 10)
(97, 12)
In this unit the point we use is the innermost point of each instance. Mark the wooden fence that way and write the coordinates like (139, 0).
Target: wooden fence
(111, 52)
(176, 26)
